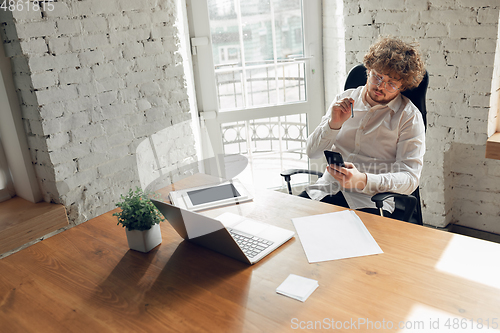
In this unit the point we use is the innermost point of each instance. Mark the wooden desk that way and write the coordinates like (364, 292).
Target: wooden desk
(87, 280)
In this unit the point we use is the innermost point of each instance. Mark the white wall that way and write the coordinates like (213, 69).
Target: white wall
(458, 39)
(23, 182)
(96, 79)
(334, 57)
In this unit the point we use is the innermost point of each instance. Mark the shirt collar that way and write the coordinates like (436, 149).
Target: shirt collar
(394, 104)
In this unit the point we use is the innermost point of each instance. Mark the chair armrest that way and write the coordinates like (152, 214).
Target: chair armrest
(287, 174)
(410, 202)
(291, 172)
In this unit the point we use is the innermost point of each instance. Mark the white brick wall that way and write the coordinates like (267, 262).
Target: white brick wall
(96, 79)
(458, 39)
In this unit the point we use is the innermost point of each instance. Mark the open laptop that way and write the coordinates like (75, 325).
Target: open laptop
(236, 236)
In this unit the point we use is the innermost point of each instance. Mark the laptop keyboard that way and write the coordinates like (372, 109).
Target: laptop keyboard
(250, 245)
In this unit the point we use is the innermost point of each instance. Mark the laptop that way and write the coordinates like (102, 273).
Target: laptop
(236, 236)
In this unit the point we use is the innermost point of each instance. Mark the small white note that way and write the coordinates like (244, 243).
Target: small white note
(297, 287)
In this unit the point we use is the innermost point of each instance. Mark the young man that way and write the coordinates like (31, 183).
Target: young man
(384, 143)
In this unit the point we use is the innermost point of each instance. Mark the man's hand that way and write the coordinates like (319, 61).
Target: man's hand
(348, 177)
(341, 111)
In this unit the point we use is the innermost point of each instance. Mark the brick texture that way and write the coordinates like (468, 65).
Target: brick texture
(458, 40)
(99, 80)
(90, 74)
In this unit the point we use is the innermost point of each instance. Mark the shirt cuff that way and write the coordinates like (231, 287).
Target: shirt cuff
(372, 184)
(328, 132)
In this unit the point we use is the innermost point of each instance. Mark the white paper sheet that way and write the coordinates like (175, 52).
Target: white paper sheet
(297, 287)
(334, 236)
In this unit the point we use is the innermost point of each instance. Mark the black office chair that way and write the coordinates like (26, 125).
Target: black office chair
(407, 207)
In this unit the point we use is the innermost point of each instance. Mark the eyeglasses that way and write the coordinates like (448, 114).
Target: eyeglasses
(378, 81)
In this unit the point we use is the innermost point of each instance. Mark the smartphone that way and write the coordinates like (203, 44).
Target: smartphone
(333, 157)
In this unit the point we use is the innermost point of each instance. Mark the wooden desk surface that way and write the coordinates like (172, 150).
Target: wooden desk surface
(87, 280)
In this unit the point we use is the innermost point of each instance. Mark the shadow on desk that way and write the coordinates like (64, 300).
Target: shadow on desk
(194, 282)
(194, 270)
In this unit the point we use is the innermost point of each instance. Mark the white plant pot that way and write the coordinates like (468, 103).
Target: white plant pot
(145, 240)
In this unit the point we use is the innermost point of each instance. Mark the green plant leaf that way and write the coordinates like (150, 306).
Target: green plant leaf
(137, 211)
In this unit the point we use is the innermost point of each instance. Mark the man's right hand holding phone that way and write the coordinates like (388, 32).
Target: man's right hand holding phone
(348, 176)
(341, 111)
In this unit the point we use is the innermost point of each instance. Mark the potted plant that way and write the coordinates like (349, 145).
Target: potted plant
(141, 219)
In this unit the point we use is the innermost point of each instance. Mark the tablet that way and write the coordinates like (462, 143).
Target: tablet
(211, 196)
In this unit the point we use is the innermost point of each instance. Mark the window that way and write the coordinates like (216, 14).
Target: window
(260, 82)
(229, 54)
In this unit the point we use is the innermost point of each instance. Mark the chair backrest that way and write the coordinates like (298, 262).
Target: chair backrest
(357, 77)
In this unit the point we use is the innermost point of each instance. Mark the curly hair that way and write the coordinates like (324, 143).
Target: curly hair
(392, 56)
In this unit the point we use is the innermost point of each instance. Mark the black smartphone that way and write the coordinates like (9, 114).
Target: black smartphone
(333, 157)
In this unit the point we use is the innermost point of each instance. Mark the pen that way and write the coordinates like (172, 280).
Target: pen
(352, 111)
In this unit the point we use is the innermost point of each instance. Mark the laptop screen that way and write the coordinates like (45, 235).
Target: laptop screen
(212, 194)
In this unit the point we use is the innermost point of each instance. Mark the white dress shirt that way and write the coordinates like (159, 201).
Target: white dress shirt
(386, 142)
